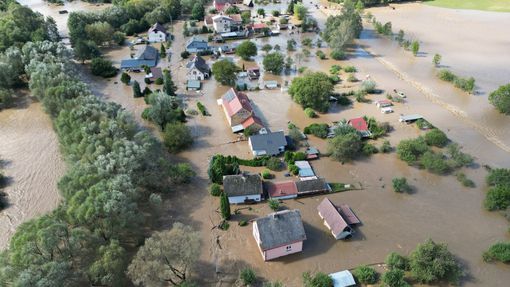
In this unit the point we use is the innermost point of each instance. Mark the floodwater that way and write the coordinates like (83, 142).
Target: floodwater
(439, 208)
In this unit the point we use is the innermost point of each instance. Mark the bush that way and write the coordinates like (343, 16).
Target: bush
(185, 54)
(247, 276)
(274, 164)
(498, 198)
(318, 280)
(467, 85)
(335, 69)
(411, 150)
(446, 75)
(343, 101)
(368, 86)
(345, 147)
(350, 69)
(498, 252)
(220, 166)
(338, 55)
(400, 185)
(266, 174)
(369, 149)
(436, 60)
(436, 137)
(351, 78)
(432, 262)
(385, 147)
(181, 173)
(462, 178)
(423, 124)
(397, 261)
(103, 68)
(310, 113)
(318, 130)
(320, 54)
(498, 176)
(394, 278)
(365, 274)
(243, 223)
(500, 99)
(125, 78)
(215, 189)
(313, 90)
(273, 204)
(434, 162)
(202, 109)
(415, 47)
(293, 169)
(224, 207)
(158, 81)
(177, 137)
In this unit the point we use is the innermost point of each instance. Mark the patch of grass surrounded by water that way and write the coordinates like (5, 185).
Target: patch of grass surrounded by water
(485, 5)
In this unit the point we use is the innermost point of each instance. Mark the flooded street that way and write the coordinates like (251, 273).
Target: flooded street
(439, 207)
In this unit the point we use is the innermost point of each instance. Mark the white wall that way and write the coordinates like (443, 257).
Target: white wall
(240, 199)
(157, 37)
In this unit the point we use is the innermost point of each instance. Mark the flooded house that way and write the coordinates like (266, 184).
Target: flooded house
(281, 190)
(254, 73)
(157, 33)
(197, 44)
(361, 126)
(333, 220)
(193, 85)
(224, 23)
(267, 143)
(248, 3)
(312, 186)
(343, 279)
(239, 112)
(279, 234)
(241, 188)
(155, 73)
(222, 5)
(305, 170)
(197, 69)
(146, 56)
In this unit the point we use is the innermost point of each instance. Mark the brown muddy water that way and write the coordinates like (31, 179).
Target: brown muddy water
(439, 208)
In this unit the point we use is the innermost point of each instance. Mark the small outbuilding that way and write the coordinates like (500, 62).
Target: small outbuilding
(361, 126)
(305, 169)
(343, 279)
(281, 190)
(279, 234)
(242, 188)
(409, 118)
(383, 103)
(333, 220)
(193, 85)
(155, 74)
(267, 143)
(311, 186)
(312, 153)
(271, 84)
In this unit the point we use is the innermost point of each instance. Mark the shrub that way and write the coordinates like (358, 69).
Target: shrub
(274, 163)
(411, 150)
(498, 252)
(423, 124)
(177, 137)
(320, 54)
(500, 99)
(498, 176)
(498, 198)
(369, 149)
(368, 86)
(103, 68)
(335, 69)
(158, 81)
(273, 204)
(310, 113)
(434, 162)
(181, 173)
(350, 69)
(343, 101)
(220, 166)
(266, 174)
(446, 75)
(125, 78)
(202, 109)
(318, 130)
(224, 206)
(351, 78)
(385, 147)
(436, 137)
(462, 178)
(436, 60)
(301, 70)
(147, 81)
(293, 169)
(215, 189)
(432, 262)
(337, 55)
(247, 276)
(397, 261)
(243, 223)
(394, 278)
(400, 185)
(467, 85)
(318, 280)
(185, 54)
(415, 47)
(365, 274)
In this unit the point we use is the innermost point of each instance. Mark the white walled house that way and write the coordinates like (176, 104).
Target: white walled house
(242, 188)
(267, 144)
(157, 33)
(222, 23)
(198, 69)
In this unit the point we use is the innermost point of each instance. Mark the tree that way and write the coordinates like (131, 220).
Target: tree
(345, 147)
(288, 63)
(431, 262)
(232, 10)
(261, 12)
(498, 252)
(86, 50)
(436, 60)
(397, 261)
(162, 51)
(168, 84)
(163, 109)
(181, 173)
(198, 11)
(400, 184)
(498, 198)
(99, 32)
(246, 17)
(177, 137)
(274, 204)
(394, 278)
(415, 47)
(312, 90)
(436, 137)
(318, 280)
(343, 28)
(290, 8)
(411, 150)
(224, 72)
(500, 99)
(267, 48)
(102, 67)
(273, 62)
(291, 45)
(300, 11)
(498, 176)
(109, 268)
(215, 189)
(224, 206)
(126, 78)
(167, 256)
(246, 50)
(247, 276)
(365, 274)
(137, 92)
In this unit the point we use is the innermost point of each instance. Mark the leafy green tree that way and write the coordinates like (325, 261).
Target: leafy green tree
(317, 280)
(345, 148)
(436, 137)
(498, 176)
(215, 189)
(400, 185)
(137, 92)
(246, 17)
(167, 256)
(163, 109)
(434, 162)
(310, 113)
(274, 204)
(168, 84)
(415, 47)
(220, 166)
(224, 72)
(109, 268)
(397, 261)
(432, 262)
(261, 12)
(198, 11)
(436, 60)
(300, 11)
(247, 276)
(394, 278)
(86, 50)
(177, 137)
(500, 99)
(498, 198)
(498, 252)
(103, 68)
(99, 32)
(232, 10)
(273, 63)
(224, 206)
(411, 150)
(162, 51)
(126, 78)
(246, 50)
(181, 173)
(342, 29)
(365, 274)
(312, 91)
(267, 48)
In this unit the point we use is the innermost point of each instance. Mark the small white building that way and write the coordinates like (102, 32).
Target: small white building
(222, 23)
(243, 188)
(157, 33)
(342, 279)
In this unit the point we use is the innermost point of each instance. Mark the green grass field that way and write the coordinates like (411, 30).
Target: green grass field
(487, 5)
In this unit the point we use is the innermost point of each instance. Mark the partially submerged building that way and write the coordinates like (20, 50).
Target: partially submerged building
(239, 112)
(279, 234)
(157, 33)
(242, 188)
(333, 220)
(267, 143)
(343, 279)
(196, 45)
(146, 56)
(312, 186)
(281, 190)
(198, 69)
(361, 126)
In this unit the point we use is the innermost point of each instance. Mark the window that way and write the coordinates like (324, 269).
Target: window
(288, 248)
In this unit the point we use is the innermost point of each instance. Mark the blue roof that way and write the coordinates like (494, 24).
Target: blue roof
(135, 63)
(194, 84)
(306, 172)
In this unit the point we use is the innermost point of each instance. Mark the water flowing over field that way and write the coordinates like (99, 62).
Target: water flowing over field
(489, 5)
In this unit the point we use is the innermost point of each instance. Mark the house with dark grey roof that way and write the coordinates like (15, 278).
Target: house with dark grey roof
(197, 44)
(146, 56)
(279, 234)
(311, 186)
(242, 188)
(267, 144)
(198, 69)
(157, 33)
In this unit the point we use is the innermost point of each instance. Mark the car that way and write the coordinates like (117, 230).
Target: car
(386, 110)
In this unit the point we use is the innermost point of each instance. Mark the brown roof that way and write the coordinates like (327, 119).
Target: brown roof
(312, 186)
(156, 73)
(208, 20)
(348, 215)
(332, 216)
(236, 18)
(284, 188)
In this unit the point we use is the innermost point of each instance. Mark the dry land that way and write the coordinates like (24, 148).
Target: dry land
(488, 5)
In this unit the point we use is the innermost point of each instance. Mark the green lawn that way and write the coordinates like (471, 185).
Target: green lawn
(488, 5)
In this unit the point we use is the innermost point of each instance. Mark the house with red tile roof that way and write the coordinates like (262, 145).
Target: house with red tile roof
(361, 126)
(239, 112)
(281, 190)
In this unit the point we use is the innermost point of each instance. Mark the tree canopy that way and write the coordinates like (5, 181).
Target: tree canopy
(246, 50)
(225, 71)
(312, 90)
(343, 28)
(500, 98)
(274, 63)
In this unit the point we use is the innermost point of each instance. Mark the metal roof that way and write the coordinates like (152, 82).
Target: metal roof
(280, 229)
(270, 142)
